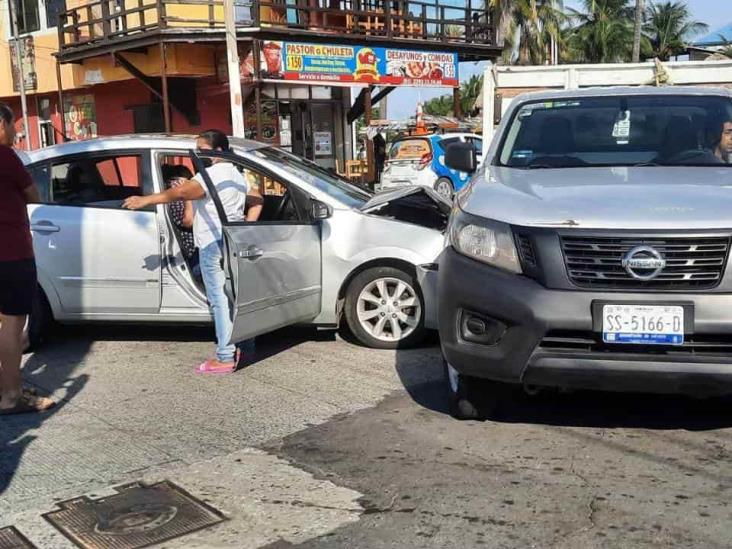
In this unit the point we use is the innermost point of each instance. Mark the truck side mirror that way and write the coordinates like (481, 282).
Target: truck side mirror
(461, 157)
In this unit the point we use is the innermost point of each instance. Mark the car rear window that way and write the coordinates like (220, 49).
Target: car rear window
(409, 149)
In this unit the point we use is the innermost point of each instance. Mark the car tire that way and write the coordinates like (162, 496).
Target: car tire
(387, 321)
(445, 188)
(470, 397)
(38, 323)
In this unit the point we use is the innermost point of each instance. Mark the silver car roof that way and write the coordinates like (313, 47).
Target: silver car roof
(131, 141)
(624, 91)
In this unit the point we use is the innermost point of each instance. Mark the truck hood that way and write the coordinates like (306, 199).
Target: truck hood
(604, 198)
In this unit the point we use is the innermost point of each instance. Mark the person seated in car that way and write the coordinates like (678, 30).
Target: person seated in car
(723, 138)
(181, 211)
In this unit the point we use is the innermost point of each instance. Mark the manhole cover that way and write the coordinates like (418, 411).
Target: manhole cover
(10, 538)
(137, 516)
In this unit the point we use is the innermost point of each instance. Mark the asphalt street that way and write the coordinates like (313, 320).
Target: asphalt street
(322, 443)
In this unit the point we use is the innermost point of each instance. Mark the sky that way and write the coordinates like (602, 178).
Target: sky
(402, 102)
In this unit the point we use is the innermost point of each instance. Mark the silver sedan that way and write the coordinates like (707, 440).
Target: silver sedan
(321, 252)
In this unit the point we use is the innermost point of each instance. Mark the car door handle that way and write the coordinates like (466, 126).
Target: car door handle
(251, 252)
(45, 227)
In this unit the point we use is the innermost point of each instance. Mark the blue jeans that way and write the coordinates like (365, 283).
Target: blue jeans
(214, 280)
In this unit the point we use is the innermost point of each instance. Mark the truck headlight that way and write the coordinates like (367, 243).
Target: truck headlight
(484, 240)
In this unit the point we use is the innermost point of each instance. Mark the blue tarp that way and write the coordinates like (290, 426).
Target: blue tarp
(715, 38)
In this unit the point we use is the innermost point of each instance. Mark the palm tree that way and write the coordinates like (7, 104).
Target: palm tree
(638, 27)
(444, 105)
(603, 32)
(668, 27)
(534, 22)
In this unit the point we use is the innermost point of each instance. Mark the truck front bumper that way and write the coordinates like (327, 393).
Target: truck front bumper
(534, 335)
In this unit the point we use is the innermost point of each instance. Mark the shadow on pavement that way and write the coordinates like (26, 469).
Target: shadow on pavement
(51, 370)
(420, 371)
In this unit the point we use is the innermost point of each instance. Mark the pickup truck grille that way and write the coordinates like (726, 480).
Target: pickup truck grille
(691, 262)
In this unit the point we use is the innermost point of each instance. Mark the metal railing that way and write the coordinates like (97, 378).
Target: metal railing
(449, 21)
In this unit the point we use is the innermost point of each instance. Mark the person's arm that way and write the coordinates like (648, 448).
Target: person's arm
(188, 214)
(256, 201)
(188, 190)
(31, 194)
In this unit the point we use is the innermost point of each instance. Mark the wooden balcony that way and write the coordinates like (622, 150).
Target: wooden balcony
(101, 26)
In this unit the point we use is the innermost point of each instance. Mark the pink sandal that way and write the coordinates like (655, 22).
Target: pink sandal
(213, 366)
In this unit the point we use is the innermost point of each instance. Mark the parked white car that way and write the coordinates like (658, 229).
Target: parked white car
(322, 250)
(420, 160)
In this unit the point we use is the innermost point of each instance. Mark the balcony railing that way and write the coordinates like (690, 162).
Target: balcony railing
(449, 21)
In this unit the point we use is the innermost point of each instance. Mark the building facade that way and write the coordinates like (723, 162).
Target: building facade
(309, 68)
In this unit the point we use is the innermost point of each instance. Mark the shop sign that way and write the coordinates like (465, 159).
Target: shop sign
(360, 64)
(28, 61)
(80, 118)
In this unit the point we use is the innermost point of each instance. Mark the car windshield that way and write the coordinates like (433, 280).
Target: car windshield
(316, 176)
(661, 130)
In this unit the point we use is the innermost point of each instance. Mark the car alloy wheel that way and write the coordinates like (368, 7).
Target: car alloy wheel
(389, 309)
(443, 187)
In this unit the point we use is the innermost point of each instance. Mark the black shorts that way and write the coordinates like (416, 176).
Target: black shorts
(18, 287)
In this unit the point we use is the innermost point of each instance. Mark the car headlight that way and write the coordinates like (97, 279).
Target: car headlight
(484, 240)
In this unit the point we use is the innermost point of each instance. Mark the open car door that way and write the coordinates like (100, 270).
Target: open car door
(273, 268)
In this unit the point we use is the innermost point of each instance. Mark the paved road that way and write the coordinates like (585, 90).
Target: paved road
(325, 444)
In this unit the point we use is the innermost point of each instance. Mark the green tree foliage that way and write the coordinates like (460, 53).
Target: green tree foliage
(602, 32)
(668, 27)
(443, 105)
(529, 26)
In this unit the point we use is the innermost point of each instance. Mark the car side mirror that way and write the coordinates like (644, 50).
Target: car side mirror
(319, 210)
(461, 157)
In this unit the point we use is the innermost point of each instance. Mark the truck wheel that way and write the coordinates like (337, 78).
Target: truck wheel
(38, 322)
(470, 397)
(385, 308)
(443, 187)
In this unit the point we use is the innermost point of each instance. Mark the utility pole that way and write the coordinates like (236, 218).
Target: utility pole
(639, 8)
(232, 55)
(21, 77)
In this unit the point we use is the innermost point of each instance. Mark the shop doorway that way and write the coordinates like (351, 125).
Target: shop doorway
(314, 130)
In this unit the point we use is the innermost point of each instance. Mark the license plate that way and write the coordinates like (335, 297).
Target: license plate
(643, 324)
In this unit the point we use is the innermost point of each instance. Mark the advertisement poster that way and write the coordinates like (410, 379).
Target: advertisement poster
(80, 117)
(28, 55)
(360, 64)
(323, 143)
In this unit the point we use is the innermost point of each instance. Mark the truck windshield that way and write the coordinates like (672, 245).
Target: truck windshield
(660, 130)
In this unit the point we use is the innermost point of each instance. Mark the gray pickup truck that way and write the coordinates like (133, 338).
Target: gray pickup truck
(591, 248)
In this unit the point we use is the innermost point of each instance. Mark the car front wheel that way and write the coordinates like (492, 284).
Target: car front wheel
(385, 309)
(444, 188)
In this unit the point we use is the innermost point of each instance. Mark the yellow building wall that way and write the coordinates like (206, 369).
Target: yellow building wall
(182, 59)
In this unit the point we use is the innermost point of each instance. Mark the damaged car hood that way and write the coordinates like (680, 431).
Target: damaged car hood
(389, 197)
(650, 197)
(415, 205)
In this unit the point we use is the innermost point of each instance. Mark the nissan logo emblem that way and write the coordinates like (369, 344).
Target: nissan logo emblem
(643, 263)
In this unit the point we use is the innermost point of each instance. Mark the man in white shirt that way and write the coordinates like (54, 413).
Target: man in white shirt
(232, 189)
